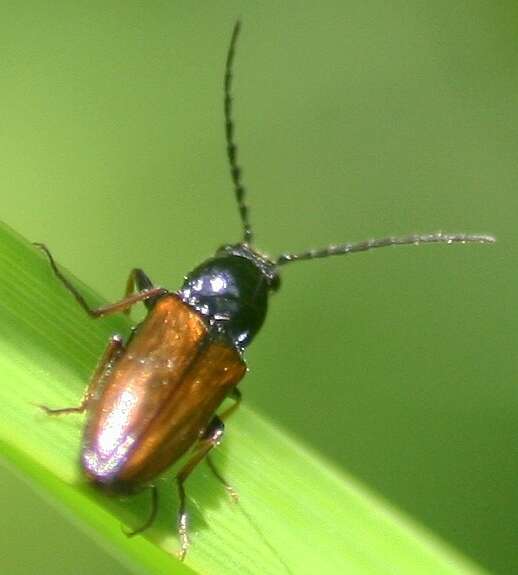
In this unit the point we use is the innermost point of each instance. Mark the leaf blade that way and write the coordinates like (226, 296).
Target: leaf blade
(297, 514)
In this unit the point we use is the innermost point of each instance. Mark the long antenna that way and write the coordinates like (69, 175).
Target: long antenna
(235, 170)
(414, 239)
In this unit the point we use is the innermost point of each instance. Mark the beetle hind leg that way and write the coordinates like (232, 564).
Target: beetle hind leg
(209, 440)
(112, 352)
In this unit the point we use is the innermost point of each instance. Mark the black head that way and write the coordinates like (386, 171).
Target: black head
(231, 289)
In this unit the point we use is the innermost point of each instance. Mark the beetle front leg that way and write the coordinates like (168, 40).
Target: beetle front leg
(140, 280)
(121, 306)
(210, 439)
(113, 351)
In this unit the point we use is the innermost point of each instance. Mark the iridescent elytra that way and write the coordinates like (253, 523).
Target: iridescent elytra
(156, 397)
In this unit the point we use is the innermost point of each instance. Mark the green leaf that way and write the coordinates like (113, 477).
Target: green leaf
(297, 514)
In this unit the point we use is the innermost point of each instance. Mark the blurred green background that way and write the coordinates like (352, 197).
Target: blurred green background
(354, 120)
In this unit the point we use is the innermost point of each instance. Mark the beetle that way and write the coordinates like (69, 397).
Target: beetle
(156, 397)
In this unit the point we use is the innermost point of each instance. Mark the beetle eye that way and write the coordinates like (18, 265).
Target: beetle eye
(222, 250)
(275, 282)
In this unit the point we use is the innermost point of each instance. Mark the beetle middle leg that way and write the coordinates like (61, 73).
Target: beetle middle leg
(210, 439)
(237, 396)
(136, 276)
(113, 351)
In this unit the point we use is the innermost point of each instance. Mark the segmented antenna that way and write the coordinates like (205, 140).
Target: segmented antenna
(414, 239)
(235, 170)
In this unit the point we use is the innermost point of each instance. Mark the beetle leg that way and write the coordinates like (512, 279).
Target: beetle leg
(139, 279)
(112, 352)
(152, 515)
(233, 494)
(237, 396)
(119, 306)
(210, 439)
